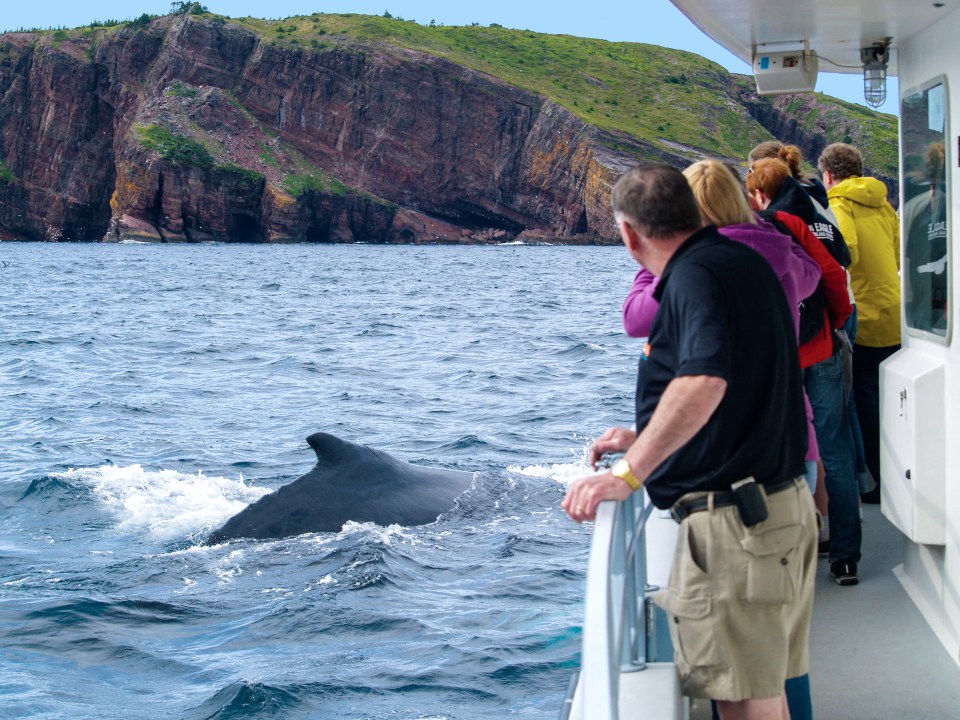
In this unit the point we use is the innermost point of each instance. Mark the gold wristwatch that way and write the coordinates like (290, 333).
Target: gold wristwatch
(621, 469)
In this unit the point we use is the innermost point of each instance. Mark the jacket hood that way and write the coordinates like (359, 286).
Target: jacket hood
(793, 199)
(816, 190)
(864, 190)
(766, 240)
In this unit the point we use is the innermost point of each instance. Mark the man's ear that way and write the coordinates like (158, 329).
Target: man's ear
(629, 235)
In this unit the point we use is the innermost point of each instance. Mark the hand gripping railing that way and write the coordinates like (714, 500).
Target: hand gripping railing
(614, 626)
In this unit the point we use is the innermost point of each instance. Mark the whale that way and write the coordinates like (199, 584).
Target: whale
(349, 482)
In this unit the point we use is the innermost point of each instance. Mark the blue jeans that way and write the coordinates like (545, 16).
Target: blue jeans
(831, 423)
(860, 461)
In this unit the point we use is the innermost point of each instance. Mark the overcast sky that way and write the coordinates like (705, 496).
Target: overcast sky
(648, 21)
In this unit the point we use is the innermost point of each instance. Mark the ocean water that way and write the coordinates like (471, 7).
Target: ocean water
(151, 392)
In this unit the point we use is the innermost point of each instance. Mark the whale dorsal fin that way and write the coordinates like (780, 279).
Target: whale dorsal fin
(331, 449)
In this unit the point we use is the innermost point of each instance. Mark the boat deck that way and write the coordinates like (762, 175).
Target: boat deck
(873, 656)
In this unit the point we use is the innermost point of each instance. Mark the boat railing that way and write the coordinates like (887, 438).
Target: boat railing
(615, 633)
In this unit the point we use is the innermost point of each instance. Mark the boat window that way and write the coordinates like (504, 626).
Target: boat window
(926, 265)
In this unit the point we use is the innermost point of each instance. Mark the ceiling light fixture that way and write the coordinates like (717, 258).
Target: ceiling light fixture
(875, 59)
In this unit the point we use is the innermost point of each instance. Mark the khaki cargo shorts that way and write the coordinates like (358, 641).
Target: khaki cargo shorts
(740, 599)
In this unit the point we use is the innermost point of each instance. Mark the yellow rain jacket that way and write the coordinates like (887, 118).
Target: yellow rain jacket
(872, 230)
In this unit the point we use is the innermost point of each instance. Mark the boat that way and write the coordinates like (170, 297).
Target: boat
(905, 619)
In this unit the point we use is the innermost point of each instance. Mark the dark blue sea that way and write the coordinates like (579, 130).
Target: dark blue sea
(148, 393)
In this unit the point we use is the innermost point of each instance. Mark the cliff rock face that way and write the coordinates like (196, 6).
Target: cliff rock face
(192, 129)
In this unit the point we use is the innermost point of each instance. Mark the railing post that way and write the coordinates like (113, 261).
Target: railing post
(615, 624)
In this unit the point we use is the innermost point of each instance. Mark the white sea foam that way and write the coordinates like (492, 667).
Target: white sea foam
(561, 472)
(166, 504)
(385, 534)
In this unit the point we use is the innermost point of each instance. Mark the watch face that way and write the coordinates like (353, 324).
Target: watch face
(621, 469)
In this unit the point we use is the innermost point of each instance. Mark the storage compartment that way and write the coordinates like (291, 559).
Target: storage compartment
(913, 445)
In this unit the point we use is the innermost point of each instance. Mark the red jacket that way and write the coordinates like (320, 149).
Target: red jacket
(833, 280)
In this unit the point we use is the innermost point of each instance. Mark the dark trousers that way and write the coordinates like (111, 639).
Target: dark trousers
(866, 393)
(859, 461)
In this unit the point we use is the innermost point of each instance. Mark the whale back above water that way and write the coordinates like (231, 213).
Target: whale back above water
(349, 482)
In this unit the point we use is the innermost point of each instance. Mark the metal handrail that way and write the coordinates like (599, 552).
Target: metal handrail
(614, 626)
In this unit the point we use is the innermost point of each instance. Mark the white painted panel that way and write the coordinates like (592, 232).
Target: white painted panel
(913, 445)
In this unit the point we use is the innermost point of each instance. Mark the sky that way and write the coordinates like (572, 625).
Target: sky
(648, 21)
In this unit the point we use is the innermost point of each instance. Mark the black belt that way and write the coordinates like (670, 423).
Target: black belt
(682, 508)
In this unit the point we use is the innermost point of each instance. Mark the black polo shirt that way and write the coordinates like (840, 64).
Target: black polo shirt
(723, 313)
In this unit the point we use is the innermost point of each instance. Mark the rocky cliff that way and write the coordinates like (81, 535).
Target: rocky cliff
(190, 128)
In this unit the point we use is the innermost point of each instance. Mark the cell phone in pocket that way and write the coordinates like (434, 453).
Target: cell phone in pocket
(750, 501)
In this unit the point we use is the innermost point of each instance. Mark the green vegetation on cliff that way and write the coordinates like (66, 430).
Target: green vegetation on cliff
(6, 175)
(316, 181)
(876, 134)
(173, 147)
(185, 150)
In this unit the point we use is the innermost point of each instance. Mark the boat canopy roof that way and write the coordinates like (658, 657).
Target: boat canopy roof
(834, 29)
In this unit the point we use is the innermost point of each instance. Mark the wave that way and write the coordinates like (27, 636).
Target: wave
(249, 700)
(463, 443)
(56, 488)
(135, 612)
(581, 350)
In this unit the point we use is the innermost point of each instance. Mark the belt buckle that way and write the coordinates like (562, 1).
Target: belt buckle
(679, 512)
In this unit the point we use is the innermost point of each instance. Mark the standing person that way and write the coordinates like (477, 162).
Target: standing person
(773, 190)
(723, 202)
(872, 231)
(814, 188)
(719, 401)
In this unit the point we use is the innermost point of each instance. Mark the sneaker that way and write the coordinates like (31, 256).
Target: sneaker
(844, 572)
(872, 497)
(823, 548)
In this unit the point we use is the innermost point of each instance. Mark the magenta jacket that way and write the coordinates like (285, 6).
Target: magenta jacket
(798, 273)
